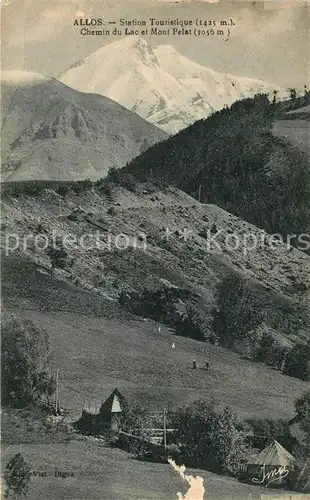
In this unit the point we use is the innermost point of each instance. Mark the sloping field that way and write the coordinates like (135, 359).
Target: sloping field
(97, 346)
(101, 473)
(296, 128)
(95, 355)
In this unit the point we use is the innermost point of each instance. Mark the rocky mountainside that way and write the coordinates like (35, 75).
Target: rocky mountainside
(251, 159)
(50, 131)
(161, 85)
(160, 241)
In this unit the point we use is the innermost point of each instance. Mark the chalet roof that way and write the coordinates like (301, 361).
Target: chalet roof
(114, 402)
(273, 454)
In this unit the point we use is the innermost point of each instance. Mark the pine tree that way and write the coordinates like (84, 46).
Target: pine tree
(293, 94)
(58, 255)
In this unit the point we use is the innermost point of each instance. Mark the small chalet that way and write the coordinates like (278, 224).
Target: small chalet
(271, 466)
(110, 411)
(108, 417)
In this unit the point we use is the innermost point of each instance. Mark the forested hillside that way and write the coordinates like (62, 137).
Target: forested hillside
(233, 159)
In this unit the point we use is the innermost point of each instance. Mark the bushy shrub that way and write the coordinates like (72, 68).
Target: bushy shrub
(208, 438)
(178, 307)
(266, 430)
(58, 255)
(297, 363)
(268, 351)
(302, 407)
(299, 477)
(81, 186)
(174, 451)
(24, 361)
(63, 190)
(238, 312)
(133, 418)
(106, 187)
(121, 178)
(17, 476)
(128, 182)
(113, 440)
(263, 352)
(245, 319)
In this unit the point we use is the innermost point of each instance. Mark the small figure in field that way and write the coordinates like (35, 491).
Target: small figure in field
(159, 329)
(194, 364)
(173, 345)
(207, 365)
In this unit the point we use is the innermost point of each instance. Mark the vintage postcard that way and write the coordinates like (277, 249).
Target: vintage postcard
(155, 217)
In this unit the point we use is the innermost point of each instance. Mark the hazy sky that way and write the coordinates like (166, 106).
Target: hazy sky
(270, 40)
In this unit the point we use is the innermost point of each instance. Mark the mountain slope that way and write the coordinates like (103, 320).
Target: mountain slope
(50, 131)
(160, 85)
(275, 278)
(235, 161)
(295, 127)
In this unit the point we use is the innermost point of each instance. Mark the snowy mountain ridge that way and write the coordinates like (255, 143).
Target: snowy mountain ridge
(162, 86)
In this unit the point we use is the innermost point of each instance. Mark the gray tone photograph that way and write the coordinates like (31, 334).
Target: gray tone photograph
(155, 249)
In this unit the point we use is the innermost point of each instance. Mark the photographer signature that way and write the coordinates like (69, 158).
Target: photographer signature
(274, 475)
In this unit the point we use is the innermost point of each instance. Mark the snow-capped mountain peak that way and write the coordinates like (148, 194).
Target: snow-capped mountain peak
(160, 84)
(138, 49)
(125, 53)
